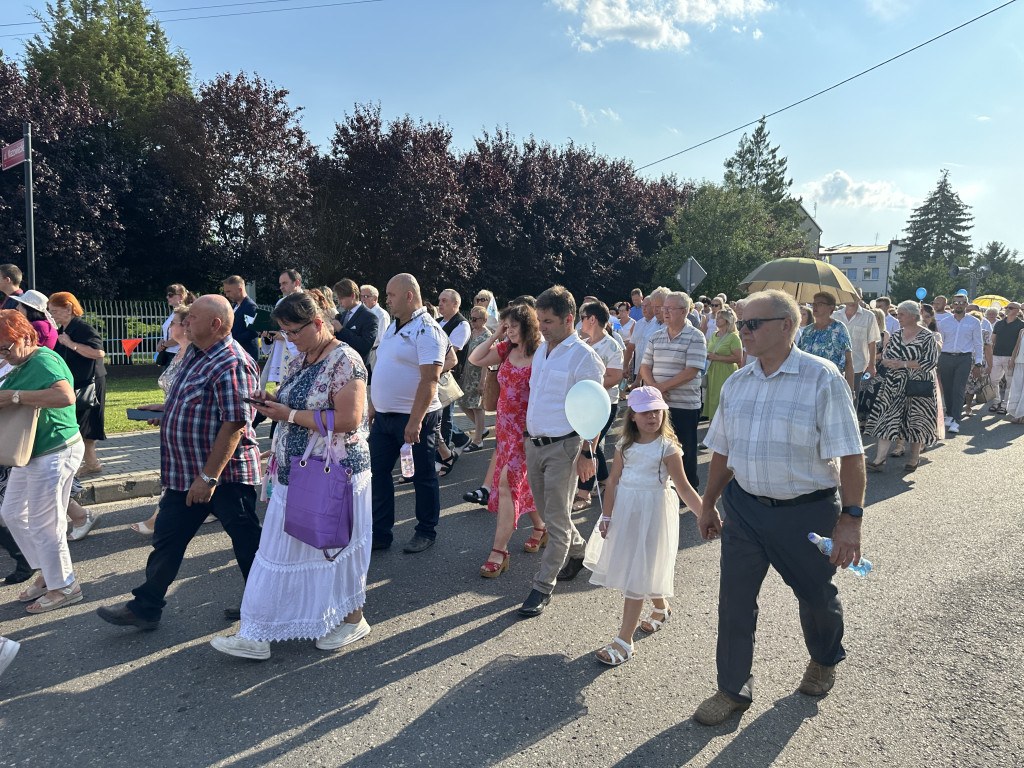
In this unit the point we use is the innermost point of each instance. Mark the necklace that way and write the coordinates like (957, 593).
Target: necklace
(319, 352)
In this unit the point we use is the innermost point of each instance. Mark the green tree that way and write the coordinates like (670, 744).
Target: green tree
(939, 230)
(1006, 277)
(730, 232)
(757, 166)
(117, 49)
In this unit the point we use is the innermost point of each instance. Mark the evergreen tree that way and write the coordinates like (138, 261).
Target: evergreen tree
(757, 166)
(939, 230)
(117, 49)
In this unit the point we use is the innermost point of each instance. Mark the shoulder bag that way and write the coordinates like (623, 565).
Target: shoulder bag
(987, 390)
(86, 396)
(490, 388)
(448, 389)
(17, 434)
(319, 508)
(920, 388)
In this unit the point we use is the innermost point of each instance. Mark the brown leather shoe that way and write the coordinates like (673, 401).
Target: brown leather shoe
(818, 680)
(716, 710)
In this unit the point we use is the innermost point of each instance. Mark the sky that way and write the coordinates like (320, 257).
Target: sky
(645, 79)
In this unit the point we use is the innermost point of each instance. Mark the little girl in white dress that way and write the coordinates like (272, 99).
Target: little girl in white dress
(640, 527)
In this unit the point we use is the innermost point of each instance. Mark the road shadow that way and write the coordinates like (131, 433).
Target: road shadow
(759, 743)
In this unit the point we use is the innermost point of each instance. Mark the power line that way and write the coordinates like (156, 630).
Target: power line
(237, 13)
(830, 88)
(171, 10)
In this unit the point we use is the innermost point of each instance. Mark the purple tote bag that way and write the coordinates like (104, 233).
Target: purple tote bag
(318, 511)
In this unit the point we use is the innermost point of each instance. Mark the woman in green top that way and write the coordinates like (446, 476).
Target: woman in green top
(37, 493)
(725, 350)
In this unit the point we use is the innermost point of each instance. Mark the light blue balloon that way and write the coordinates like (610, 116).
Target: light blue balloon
(921, 293)
(587, 408)
(962, 291)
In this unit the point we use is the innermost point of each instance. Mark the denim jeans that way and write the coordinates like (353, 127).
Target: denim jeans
(387, 436)
(233, 504)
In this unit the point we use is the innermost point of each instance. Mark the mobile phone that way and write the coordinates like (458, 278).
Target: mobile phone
(137, 414)
(253, 402)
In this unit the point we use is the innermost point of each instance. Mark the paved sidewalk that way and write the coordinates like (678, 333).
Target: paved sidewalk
(131, 464)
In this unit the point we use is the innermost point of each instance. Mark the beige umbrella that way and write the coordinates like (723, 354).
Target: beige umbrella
(801, 278)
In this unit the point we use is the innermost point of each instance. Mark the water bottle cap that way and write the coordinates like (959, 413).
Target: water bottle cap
(813, 537)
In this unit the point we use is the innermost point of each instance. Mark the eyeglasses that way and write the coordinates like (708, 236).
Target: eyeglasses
(482, 300)
(955, 303)
(296, 332)
(716, 305)
(476, 319)
(667, 308)
(755, 323)
(1013, 308)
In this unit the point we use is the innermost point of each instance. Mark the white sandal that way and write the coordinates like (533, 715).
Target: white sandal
(79, 532)
(615, 656)
(655, 624)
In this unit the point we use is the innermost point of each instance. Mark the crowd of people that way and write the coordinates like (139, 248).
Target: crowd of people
(343, 378)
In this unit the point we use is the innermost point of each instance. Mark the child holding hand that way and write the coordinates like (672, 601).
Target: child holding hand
(640, 526)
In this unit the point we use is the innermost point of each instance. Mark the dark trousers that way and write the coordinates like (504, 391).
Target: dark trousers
(7, 542)
(755, 536)
(684, 422)
(387, 436)
(602, 463)
(448, 427)
(954, 370)
(234, 504)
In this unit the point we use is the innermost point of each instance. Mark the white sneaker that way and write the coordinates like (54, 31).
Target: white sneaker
(948, 420)
(233, 645)
(8, 650)
(343, 634)
(953, 428)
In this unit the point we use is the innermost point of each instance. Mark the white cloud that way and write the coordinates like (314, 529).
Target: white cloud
(650, 23)
(758, 34)
(888, 10)
(589, 118)
(838, 189)
(983, 118)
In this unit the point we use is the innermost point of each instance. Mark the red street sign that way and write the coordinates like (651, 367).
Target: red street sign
(14, 154)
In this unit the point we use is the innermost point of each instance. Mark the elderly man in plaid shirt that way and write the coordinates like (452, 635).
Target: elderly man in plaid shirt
(209, 458)
(784, 439)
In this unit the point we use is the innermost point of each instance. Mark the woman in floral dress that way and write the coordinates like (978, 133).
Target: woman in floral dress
(510, 494)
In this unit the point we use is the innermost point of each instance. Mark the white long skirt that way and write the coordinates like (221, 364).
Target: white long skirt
(1015, 399)
(293, 592)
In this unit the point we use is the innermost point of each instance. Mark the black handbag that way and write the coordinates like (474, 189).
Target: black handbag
(86, 396)
(920, 388)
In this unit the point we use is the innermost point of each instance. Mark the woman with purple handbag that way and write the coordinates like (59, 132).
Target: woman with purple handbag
(309, 577)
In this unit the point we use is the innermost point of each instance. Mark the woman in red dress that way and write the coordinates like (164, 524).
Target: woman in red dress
(510, 494)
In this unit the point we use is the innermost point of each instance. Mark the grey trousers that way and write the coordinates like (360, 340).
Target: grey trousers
(954, 370)
(551, 470)
(755, 536)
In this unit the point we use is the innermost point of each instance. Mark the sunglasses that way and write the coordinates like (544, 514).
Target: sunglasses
(755, 323)
(481, 300)
(476, 319)
(959, 303)
(716, 305)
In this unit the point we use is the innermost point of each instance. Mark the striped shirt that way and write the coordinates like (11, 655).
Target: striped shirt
(783, 434)
(207, 392)
(667, 357)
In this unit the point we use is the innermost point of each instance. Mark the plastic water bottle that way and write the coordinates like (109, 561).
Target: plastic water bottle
(866, 376)
(861, 568)
(408, 466)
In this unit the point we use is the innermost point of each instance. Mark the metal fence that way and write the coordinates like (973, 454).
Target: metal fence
(120, 320)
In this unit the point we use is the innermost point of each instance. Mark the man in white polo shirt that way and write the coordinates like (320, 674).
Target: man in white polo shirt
(864, 338)
(405, 409)
(554, 461)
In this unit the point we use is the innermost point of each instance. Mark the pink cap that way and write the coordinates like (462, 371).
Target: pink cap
(645, 399)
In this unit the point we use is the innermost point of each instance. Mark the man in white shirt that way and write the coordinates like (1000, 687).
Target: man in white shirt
(369, 295)
(290, 281)
(962, 345)
(456, 326)
(554, 461)
(864, 338)
(405, 409)
(892, 325)
(784, 440)
(672, 364)
(638, 339)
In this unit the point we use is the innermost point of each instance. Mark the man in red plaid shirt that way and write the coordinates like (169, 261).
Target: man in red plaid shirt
(209, 458)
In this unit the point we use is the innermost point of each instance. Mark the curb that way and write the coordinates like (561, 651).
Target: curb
(135, 486)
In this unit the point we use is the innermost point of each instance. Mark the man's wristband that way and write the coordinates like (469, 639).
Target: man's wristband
(586, 455)
(853, 511)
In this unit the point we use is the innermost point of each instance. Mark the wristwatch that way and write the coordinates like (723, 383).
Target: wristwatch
(857, 512)
(211, 480)
(16, 397)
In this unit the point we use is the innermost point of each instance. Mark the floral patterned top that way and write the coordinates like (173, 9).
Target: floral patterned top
(830, 343)
(314, 388)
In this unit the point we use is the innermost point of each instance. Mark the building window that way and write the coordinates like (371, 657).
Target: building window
(872, 259)
(871, 274)
(852, 274)
(847, 259)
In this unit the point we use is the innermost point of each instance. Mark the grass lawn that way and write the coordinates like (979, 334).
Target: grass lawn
(129, 393)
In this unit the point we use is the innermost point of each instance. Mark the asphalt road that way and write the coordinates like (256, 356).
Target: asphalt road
(450, 677)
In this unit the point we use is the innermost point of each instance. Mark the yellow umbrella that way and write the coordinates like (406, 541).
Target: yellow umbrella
(991, 300)
(801, 278)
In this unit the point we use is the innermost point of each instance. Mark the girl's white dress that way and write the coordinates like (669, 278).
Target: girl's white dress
(639, 553)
